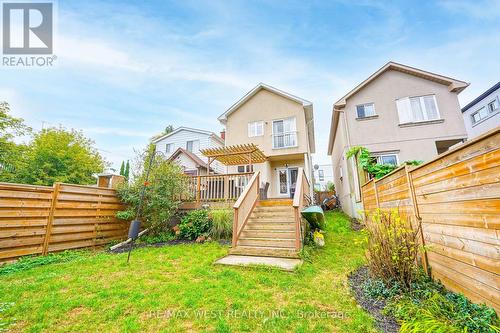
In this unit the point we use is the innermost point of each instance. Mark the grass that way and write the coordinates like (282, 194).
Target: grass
(177, 289)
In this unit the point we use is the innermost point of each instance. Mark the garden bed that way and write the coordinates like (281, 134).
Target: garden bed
(384, 322)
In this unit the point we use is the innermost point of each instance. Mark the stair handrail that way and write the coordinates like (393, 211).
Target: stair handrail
(301, 193)
(244, 206)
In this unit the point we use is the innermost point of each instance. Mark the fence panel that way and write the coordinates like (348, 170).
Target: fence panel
(456, 198)
(41, 219)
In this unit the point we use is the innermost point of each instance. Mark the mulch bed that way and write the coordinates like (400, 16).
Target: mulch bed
(387, 324)
(356, 225)
(126, 247)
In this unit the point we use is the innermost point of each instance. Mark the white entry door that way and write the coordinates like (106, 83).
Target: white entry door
(287, 178)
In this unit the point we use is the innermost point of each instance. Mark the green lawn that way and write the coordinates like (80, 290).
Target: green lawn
(178, 289)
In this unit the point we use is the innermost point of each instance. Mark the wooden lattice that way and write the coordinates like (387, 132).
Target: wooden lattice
(236, 155)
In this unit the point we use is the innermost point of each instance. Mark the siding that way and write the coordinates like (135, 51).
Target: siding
(179, 140)
(485, 125)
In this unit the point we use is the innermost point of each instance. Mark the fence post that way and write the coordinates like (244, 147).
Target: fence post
(376, 193)
(198, 188)
(416, 213)
(226, 187)
(50, 220)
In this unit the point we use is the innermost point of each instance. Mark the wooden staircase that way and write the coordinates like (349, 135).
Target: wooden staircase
(269, 228)
(269, 231)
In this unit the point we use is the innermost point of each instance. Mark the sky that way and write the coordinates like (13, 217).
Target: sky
(125, 70)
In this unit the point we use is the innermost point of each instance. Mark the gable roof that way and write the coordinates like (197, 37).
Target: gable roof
(198, 161)
(183, 128)
(480, 97)
(454, 85)
(307, 105)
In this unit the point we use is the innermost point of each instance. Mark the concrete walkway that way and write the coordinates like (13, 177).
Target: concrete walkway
(285, 264)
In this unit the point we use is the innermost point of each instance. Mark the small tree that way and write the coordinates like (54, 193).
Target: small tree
(122, 168)
(60, 155)
(127, 170)
(10, 152)
(164, 189)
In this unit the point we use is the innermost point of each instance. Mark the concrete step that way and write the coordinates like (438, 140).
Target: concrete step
(264, 251)
(260, 233)
(271, 225)
(267, 242)
(275, 202)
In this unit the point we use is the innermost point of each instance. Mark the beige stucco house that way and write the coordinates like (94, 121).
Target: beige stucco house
(281, 125)
(399, 113)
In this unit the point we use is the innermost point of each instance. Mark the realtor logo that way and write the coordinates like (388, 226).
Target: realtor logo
(27, 28)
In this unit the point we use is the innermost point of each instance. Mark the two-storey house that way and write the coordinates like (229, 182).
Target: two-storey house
(183, 146)
(399, 113)
(281, 125)
(483, 113)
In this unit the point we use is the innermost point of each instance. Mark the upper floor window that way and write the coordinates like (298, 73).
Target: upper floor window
(255, 128)
(321, 175)
(284, 133)
(365, 110)
(192, 145)
(416, 109)
(168, 148)
(479, 115)
(493, 106)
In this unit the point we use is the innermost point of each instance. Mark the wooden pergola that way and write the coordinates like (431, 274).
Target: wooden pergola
(235, 155)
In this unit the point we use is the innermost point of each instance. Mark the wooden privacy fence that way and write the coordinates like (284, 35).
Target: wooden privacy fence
(42, 219)
(456, 200)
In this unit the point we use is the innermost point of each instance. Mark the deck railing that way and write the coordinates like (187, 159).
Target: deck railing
(244, 206)
(301, 199)
(226, 187)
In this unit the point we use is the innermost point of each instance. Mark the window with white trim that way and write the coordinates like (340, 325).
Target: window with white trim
(479, 115)
(321, 175)
(192, 145)
(168, 147)
(255, 128)
(245, 168)
(387, 159)
(365, 110)
(284, 133)
(417, 109)
(493, 106)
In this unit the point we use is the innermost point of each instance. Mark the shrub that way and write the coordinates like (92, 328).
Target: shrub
(444, 313)
(392, 248)
(222, 223)
(159, 237)
(165, 186)
(194, 224)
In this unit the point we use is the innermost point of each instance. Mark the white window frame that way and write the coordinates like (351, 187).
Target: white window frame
(363, 105)
(285, 133)
(493, 111)
(254, 127)
(192, 143)
(168, 147)
(486, 108)
(380, 156)
(246, 168)
(321, 175)
(403, 105)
